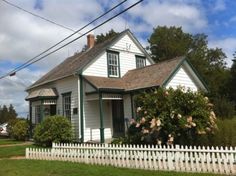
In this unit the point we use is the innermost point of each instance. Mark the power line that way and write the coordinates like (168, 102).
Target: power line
(109, 19)
(26, 63)
(38, 16)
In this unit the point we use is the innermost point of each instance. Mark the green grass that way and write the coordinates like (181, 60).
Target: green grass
(6, 141)
(7, 152)
(59, 168)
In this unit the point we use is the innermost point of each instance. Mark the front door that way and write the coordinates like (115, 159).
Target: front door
(118, 118)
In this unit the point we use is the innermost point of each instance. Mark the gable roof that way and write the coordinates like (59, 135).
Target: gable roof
(146, 77)
(76, 63)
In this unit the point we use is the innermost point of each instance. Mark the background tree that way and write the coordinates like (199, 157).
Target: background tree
(7, 113)
(232, 80)
(169, 42)
(100, 38)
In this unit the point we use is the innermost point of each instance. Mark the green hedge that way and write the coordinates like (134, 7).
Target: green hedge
(53, 129)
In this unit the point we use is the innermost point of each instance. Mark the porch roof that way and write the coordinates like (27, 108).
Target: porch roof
(146, 77)
(42, 93)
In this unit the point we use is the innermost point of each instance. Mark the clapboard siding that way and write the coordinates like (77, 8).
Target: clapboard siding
(182, 78)
(69, 84)
(127, 58)
(92, 120)
(126, 44)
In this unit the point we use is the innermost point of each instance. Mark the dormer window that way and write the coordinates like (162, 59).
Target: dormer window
(140, 61)
(113, 64)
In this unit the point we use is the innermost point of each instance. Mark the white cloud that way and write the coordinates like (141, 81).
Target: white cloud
(180, 13)
(219, 5)
(228, 45)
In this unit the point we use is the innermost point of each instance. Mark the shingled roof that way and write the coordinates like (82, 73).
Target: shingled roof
(149, 76)
(77, 62)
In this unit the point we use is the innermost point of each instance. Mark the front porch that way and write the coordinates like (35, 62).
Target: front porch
(42, 103)
(106, 116)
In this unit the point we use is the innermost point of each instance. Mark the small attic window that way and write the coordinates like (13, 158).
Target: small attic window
(140, 61)
(113, 64)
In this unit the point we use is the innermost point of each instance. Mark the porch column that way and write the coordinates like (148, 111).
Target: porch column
(101, 119)
(132, 105)
(41, 111)
(30, 119)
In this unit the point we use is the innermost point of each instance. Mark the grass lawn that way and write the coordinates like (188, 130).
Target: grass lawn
(6, 152)
(7, 141)
(59, 168)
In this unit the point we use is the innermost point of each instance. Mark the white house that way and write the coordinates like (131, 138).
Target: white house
(94, 88)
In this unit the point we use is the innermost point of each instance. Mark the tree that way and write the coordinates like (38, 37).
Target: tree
(171, 116)
(7, 113)
(169, 42)
(232, 80)
(101, 38)
(11, 113)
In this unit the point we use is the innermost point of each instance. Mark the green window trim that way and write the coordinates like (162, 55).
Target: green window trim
(115, 65)
(140, 61)
(66, 106)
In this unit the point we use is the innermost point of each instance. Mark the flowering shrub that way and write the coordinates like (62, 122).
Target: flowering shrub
(167, 116)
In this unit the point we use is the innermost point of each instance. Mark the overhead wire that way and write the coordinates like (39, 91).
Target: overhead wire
(45, 51)
(38, 16)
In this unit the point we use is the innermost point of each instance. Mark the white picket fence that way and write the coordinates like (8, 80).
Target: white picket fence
(171, 158)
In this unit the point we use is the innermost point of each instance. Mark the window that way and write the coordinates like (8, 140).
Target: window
(113, 64)
(140, 61)
(66, 103)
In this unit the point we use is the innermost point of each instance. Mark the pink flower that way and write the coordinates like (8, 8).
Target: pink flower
(179, 116)
(132, 121)
(138, 109)
(159, 142)
(153, 123)
(143, 120)
(145, 131)
(189, 119)
(137, 125)
(158, 122)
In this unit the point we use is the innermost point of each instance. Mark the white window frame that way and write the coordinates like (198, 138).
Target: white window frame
(66, 105)
(113, 64)
(140, 61)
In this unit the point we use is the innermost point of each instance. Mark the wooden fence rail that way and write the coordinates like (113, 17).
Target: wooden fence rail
(177, 158)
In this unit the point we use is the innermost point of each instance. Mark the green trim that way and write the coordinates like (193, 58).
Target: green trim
(177, 69)
(66, 93)
(198, 75)
(41, 111)
(165, 82)
(41, 98)
(91, 93)
(132, 104)
(102, 139)
(30, 120)
(81, 108)
(63, 103)
(140, 57)
(141, 89)
(114, 52)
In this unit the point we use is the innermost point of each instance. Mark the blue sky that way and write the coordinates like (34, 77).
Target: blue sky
(22, 36)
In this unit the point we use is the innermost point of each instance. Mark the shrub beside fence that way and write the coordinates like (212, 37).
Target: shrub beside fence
(150, 157)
